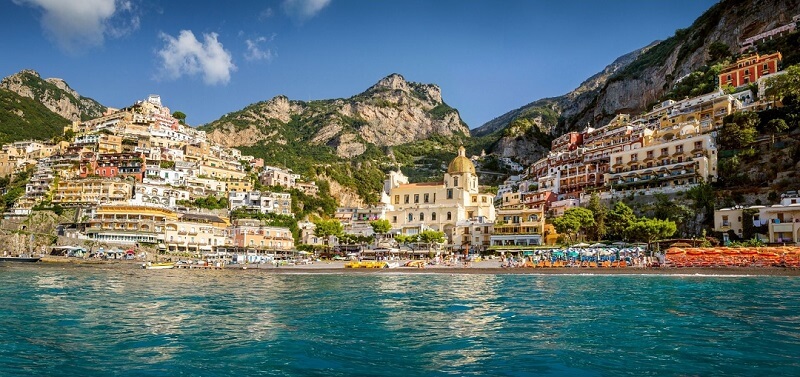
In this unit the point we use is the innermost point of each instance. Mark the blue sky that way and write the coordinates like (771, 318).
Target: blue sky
(208, 58)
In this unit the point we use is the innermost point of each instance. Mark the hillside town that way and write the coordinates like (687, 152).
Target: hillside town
(138, 177)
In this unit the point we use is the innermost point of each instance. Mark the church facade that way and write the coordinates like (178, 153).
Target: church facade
(452, 206)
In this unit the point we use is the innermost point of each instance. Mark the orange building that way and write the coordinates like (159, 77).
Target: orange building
(748, 69)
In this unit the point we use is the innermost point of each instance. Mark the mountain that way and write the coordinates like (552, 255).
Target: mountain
(54, 94)
(22, 118)
(635, 81)
(391, 112)
(350, 143)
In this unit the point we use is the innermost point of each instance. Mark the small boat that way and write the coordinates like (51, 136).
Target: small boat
(158, 266)
(21, 258)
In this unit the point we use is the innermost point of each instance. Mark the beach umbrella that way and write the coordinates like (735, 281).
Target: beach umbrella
(582, 244)
(599, 245)
(620, 243)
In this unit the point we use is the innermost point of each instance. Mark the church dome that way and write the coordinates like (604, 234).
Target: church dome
(461, 164)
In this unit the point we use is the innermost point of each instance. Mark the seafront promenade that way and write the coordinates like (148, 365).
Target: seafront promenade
(483, 267)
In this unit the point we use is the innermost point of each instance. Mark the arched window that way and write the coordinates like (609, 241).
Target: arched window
(449, 216)
(433, 216)
(410, 217)
(421, 216)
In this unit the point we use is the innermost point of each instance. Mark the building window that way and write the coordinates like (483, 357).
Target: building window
(634, 157)
(649, 154)
(455, 181)
(679, 149)
(449, 193)
(410, 217)
(397, 199)
(416, 198)
(619, 160)
(425, 198)
(433, 216)
(698, 145)
(421, 216)
(394, 219)
(483, 199)
(474, 199)
(449, 216)
(405, 199)
(434, 197)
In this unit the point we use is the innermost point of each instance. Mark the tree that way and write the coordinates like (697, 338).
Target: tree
(574, 221)
(381, 226)
(598, 230)
(776, 126)
(649, 230)
(429, 237)
(739, 130)
(666, 209)
(619, 219)
(326, 228)
(180, 116)
(718, 51)
(787, 84)
(704, 198)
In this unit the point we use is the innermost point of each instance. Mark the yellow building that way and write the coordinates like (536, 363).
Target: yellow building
(441, 206)
(252, 234)
(195, 233)
(517, 223)
(92, 191)
(674, 157)
(128, 224)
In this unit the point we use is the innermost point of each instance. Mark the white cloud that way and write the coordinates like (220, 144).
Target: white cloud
(185, 55)
(80, 24)
(303, 9)
(265, 14)
(254, 52)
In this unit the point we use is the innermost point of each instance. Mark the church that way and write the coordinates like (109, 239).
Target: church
(453, 206)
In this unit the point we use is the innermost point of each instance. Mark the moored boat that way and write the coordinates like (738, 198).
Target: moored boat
(158, 266)
(23, 259)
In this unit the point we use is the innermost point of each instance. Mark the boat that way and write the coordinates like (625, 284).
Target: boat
(21, 258)
(158, 266)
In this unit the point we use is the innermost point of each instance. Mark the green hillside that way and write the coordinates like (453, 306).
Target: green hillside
(22, 118)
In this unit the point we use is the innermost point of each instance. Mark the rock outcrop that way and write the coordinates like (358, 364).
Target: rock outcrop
(53, 93)
(391, 112)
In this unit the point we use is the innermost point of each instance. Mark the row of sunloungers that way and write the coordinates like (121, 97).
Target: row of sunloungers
(733, 261)
(563, 263)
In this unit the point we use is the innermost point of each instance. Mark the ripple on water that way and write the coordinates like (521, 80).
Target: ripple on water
(79, 321)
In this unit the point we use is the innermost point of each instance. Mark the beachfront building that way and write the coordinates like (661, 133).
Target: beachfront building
(356, 220)
(517, 223)
(782, 220)
(669, 159)
(748, 69)
(195, 233)
(440, 206)
(252, 234)
(122, 223)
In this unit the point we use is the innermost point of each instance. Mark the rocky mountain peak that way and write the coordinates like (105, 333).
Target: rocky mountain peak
(395, 81)
(53, 93)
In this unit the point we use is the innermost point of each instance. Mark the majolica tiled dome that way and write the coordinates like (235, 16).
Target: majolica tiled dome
(461, 164)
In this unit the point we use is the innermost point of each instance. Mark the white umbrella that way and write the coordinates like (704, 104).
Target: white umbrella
(599, 245)
(581, 245)
(620, 243)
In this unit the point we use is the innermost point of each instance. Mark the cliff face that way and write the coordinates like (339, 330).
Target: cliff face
(54, 94)
(637, 80)
(391, 112)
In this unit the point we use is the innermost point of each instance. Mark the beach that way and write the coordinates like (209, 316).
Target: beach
(483, 267)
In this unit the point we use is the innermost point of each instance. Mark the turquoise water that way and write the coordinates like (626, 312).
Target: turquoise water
(80, 321)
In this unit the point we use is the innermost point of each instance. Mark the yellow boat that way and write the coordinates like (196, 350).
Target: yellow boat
(158, 266)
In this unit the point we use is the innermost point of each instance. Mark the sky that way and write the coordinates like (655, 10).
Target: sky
(209, 58)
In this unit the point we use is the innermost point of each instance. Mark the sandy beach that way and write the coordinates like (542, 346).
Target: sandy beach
(483, 267)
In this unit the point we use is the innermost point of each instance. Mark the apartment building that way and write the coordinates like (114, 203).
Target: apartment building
(263, 202)
(252, 234)
(92, 191)
(748, 69)
(122, 223)
(195, 233)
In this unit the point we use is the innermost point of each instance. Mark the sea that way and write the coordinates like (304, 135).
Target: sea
(108, 321)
